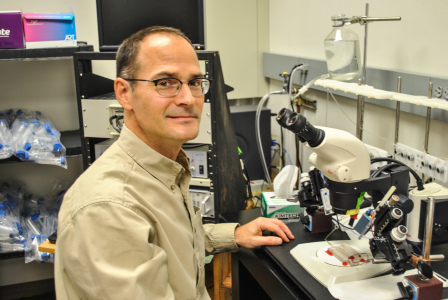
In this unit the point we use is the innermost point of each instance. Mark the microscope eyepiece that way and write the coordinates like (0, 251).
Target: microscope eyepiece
(298, 124)
(283, 117)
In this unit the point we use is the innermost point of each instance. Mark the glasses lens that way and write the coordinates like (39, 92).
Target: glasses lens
(168, 87)
(199, 87)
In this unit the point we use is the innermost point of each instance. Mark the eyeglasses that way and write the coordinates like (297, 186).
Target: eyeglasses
(170, 87)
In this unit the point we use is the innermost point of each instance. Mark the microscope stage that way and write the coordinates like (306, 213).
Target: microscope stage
(314, 258)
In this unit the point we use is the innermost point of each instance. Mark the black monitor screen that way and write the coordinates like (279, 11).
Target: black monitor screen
(118, 19)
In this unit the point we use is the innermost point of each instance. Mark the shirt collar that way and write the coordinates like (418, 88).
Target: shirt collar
(161, 167)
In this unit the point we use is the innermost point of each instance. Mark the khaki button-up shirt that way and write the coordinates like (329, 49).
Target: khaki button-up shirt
(128, 229)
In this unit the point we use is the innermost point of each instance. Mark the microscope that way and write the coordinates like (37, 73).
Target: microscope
(342, 166)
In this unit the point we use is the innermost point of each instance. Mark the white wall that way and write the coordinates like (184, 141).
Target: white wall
(415, 45)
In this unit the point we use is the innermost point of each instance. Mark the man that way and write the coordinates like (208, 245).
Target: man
(127, 228)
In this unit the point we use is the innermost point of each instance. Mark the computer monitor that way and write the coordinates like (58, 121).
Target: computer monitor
(118, 19)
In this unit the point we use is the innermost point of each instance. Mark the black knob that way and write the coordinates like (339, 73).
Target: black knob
(425, 269)
(438, 230)
(406, 291)
(304, 219)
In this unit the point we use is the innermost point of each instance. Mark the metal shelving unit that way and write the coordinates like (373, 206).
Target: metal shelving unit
(70, 139)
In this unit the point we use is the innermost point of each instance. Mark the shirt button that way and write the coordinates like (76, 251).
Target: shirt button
(172, 187)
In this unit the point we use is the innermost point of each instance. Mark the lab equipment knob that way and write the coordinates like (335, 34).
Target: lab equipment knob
(304, 219)
(397, 213)
(398, 234)
(406, 291)
(437, 230)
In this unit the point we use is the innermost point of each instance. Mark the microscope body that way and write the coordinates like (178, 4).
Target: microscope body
(344, 163)
(341, 157)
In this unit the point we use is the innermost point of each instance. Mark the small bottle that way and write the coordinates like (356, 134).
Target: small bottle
(7, 225)
(342, 52)
(5, 139)
(45, 157)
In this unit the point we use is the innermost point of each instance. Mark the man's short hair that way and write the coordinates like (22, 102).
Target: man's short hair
(126, 59)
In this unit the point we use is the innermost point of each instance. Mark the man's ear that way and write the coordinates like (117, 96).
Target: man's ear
(123, 93)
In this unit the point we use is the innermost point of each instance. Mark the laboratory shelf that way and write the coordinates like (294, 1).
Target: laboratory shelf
(10, 255)
(42, 53)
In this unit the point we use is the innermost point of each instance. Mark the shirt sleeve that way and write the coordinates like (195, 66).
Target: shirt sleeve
(120, 266)
(220, 238)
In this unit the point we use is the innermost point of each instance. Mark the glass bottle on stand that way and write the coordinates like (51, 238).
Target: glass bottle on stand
(342, 51)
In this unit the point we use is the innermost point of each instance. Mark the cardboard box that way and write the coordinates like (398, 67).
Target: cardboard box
(280, 208)
(11, 30)
(49, 30)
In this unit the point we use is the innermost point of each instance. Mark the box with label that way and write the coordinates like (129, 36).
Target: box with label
(280, 208)
(198, 160)
(49, 30)
(11, 30)
(103, 146)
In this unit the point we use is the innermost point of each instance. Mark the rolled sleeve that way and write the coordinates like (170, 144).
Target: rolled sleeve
(220, 238)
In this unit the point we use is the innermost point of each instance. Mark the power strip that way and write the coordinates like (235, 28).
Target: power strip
(429, 165)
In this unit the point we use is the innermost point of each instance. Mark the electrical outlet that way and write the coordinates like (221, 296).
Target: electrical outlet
(376, 152)
(438, 90)
(409, 156)
(429, 165)
(437, 168)
(442, 170)
(445, 93)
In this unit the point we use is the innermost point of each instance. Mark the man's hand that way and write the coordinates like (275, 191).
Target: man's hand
(251, 234)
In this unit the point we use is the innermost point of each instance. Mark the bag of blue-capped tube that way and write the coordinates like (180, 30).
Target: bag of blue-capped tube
(41, 220)
(12, 236)
(35, 139)
(6, 150)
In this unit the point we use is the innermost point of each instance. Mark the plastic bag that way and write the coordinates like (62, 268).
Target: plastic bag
(35, 139)
(5, 137)
(42, 220)
(12, 238)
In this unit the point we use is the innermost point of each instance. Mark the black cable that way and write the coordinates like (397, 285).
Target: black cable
(246, 173)
(192, 146)
(382, 169)
(117, 121)
(417, 178)
(297, 155)
(282, 155)
(111, 119)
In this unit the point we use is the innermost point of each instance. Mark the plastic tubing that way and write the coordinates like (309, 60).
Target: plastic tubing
(305, 88)
(258, 135)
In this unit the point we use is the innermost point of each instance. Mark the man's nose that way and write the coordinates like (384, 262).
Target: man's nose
(185, 97)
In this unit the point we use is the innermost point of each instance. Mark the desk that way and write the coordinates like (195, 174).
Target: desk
(270, 272)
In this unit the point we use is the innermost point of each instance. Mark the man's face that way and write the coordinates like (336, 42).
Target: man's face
(166, 121)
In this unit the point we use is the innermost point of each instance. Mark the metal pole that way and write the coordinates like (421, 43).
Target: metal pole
(397, 112)
(428, 119)
(428, 229)
(361, 102)
(365, 48)
(373, 19)
(359, 115)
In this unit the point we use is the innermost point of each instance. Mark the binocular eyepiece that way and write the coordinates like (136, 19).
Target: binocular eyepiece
(299, 125)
